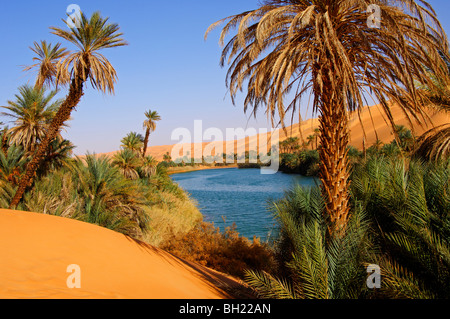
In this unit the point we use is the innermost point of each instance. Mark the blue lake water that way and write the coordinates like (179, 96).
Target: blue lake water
(240, 195)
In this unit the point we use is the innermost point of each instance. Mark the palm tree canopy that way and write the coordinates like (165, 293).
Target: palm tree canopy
(435, 143)
(133, 141)
(31, 114)
(47, 58)
(127, 162)
(93, 35)
(299, 46)
(151, 118)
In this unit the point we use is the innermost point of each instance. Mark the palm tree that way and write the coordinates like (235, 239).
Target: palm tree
(12, 164)
(58, 155)
(408, 204)
(149, 126)
(316, 268)
(167, 158)
(310, 139)
(87, 63)
(328, 49)
(435, 143)
(47, 58)
(32, 112)
(316, 136)
(378, 144)
(148, 167)
(5, 139)
(127, 162)
(133, 141)
(107, 198)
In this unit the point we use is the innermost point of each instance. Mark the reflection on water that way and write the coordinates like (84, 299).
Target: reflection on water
(239, 195)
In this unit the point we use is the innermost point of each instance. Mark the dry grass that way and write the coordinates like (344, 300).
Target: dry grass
(226, 252)
(173, 216)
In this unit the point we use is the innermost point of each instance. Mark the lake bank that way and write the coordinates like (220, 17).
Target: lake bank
(188, 169)
(240, 196)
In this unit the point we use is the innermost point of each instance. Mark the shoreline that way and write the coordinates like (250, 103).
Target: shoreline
(188, 169)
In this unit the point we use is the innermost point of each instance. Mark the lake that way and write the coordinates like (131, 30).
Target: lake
(240, 196)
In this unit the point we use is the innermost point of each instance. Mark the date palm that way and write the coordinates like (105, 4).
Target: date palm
(328, 49)
(127, 162)
(133, 142)
(311, 139)
(47, 58)
(149, 126)
(92, 35)
(435, 143)
(31, 113)
(148, 166)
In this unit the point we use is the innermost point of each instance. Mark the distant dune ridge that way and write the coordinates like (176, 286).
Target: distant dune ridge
(372, 119)
(36, 251)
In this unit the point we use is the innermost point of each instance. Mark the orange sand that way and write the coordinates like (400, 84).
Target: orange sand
(372, 118)
(36, 250)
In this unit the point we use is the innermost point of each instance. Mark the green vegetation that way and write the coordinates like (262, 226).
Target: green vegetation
(87, 64)
(144, 204)
(128, 193)
(298, 159)
(387, 205)
(399, 220)
(326, 50)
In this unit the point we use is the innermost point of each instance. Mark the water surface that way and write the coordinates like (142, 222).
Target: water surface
(241, 196)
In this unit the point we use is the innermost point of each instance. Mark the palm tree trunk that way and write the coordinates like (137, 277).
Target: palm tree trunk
(147, 135)
(63, 114)
(334, 172)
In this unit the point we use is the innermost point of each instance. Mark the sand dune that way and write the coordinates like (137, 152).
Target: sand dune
(36, 250)
(370, 121)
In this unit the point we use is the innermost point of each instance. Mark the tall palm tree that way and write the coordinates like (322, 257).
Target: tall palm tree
(328, 49)
(149, 126)
(92, 35)
(316, 137)
(31, 112)
(310, 139)
(47, 58)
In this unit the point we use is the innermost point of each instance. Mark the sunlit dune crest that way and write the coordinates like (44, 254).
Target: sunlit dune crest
(372, 119)
(37, 249)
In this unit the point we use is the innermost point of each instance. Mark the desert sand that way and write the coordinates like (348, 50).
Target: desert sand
(36, 251)
(371, 121)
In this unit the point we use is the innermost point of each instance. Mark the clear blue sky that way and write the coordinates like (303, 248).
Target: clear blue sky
(167, 66)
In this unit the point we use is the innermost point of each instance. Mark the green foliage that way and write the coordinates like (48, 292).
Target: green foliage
(409, 203)
(317, 267)
(305, 163)
(133, 142)
(31, 113)
(399, 220)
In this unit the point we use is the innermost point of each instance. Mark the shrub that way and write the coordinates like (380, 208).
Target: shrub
(226, 252)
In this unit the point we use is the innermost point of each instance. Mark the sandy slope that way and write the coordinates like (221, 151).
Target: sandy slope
(36, 249)
(372, 119)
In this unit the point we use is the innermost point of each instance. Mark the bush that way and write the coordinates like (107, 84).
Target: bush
(226, 252)
(305, 163)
